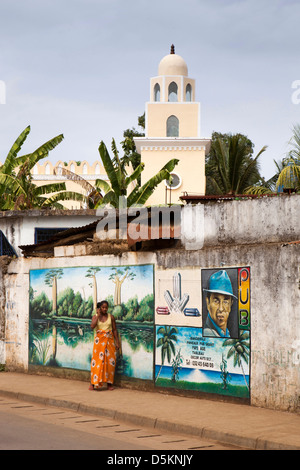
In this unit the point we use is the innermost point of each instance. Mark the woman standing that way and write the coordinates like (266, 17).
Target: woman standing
(104, 351)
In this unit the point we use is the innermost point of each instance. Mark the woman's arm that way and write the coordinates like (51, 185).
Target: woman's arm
(94, 321)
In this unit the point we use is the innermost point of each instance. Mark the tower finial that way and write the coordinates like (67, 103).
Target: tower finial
(172, 49)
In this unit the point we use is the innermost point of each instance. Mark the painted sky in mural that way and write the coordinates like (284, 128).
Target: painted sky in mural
(75, 277)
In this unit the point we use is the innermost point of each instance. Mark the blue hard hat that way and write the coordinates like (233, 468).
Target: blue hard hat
(220, 283)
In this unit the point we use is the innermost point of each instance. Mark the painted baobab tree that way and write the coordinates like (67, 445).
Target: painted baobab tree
(51, 278)
(118, 276)
(91, 273)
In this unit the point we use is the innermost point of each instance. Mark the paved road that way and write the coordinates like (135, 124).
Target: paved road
(28, 426)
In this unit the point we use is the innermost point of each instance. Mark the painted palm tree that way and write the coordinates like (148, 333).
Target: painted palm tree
(17, 190)
(230, 166)
(240, 350)
(166, 342)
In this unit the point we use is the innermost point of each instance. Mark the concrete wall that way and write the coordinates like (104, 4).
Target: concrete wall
(251, 233)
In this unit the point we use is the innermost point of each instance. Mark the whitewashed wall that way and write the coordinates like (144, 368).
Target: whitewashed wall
(253, 233)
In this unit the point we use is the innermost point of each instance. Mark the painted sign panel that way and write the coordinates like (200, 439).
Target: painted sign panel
(203, 342)
(63, 301)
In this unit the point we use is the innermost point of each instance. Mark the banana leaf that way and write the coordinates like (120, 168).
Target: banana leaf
(9, 163)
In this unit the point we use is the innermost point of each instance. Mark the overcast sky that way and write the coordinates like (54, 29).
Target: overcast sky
(83, 67)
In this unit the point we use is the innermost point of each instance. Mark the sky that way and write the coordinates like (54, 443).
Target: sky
(82, 68)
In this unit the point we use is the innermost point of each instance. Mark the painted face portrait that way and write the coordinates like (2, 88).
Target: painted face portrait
(219, 307)
(219, 301)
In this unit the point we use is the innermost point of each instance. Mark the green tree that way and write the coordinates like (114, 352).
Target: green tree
(146, 312)
(17, 190)
(165, 342)
(129, 147)
(40, 306)
(240, 350)
(132, 307)
(230, 165)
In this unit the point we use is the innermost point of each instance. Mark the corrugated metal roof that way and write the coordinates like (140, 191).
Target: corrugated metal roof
(221, 197)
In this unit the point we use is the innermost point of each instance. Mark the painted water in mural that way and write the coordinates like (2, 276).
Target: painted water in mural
(63, 301)
(203, 331)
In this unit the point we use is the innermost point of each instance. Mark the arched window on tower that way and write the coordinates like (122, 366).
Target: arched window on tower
(188, 92)
(172, 92)
(172, 126)
(156, 92)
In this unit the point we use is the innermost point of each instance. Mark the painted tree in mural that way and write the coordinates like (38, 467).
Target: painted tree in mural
(91, 273)
(118, 277)
(51, 281)
(240, 350)
(168, 335)
(176, 365)
(225, 376)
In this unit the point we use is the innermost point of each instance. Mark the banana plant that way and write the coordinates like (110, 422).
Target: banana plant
(119, 179)
(17, 190)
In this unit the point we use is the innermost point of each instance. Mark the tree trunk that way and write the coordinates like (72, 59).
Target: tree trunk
(117, 296)
(54, 294)
(54, 342)
(95, 293)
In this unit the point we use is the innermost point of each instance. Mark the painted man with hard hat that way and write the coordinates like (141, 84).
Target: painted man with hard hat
(219, 302)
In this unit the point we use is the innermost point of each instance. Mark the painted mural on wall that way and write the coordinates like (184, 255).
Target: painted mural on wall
(203, 330)
(63, 301)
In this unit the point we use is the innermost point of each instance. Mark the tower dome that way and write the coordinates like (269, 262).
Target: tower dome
(173, 64)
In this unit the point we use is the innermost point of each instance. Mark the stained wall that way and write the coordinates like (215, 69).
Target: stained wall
(255, 243)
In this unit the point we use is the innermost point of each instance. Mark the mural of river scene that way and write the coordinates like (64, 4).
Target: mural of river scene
(63, 301)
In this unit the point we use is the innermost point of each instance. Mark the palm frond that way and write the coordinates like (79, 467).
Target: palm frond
(49, 188)
(102, 185)
(64, 196)
(10, 161)
(40, 153)
(109, 168)
(289, 177)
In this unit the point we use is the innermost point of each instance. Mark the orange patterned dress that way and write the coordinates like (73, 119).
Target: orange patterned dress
(104, 354)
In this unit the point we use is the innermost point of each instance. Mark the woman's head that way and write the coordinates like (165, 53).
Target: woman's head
(99, 304)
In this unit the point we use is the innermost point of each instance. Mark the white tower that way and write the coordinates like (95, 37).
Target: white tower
(172, 130)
